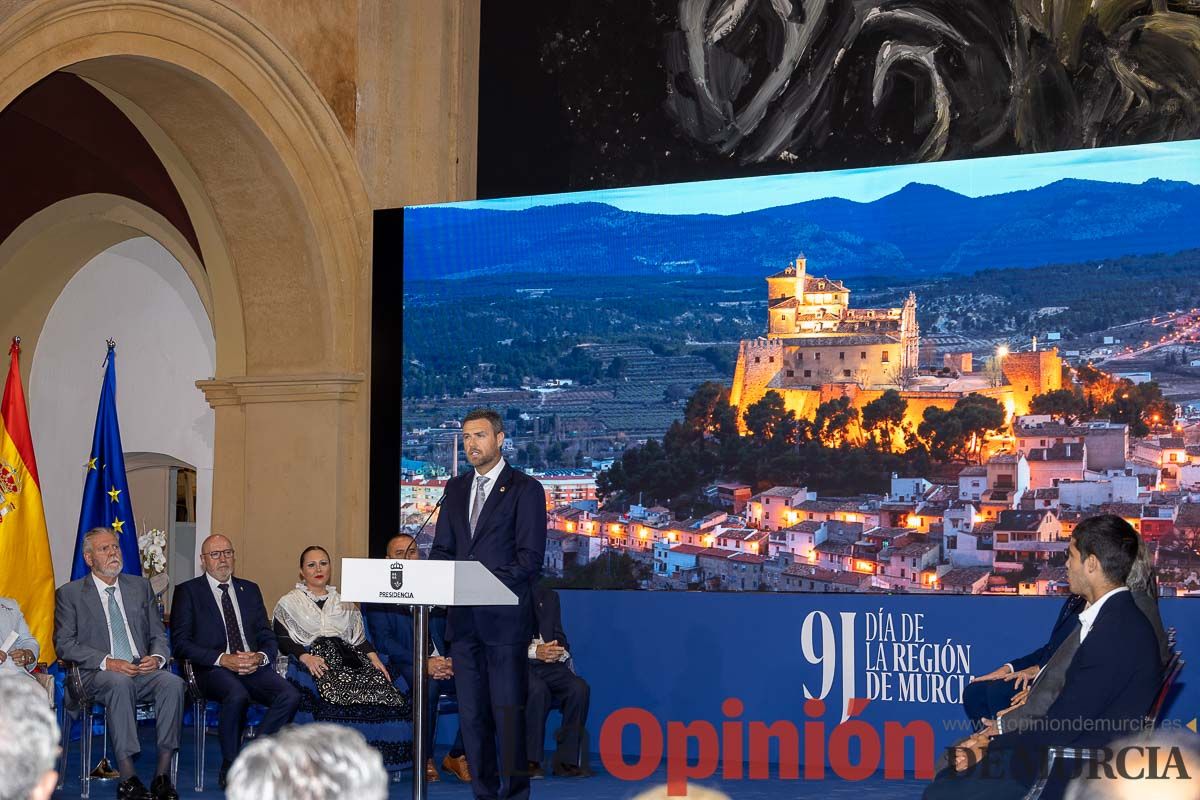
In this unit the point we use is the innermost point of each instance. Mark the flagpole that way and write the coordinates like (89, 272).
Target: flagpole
(103, 771)
(106, 501)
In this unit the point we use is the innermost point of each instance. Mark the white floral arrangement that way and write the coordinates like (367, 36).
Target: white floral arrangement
(153, 548)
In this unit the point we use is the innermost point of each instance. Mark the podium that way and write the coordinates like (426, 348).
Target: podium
(422, 585)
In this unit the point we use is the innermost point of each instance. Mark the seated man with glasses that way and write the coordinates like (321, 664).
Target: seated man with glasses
(219, 623)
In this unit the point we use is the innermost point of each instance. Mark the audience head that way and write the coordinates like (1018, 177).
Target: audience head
(403, 547)
(102, 552)
(483, 436)
(1163, 767)
(318, 761)
(28, 740)
(315, 566)
(1100, 555)
(217, 557)
(1141, 572)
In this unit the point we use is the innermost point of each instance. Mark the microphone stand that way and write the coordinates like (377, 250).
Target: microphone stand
(420, 687)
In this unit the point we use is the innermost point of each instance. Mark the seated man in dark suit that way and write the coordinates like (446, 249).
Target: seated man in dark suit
(219, 623)
(108, 623)
(552, 681)
(1107, 685)
(989, 694)
(391, 628)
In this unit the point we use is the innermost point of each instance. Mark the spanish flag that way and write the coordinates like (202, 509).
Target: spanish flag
(28, 574)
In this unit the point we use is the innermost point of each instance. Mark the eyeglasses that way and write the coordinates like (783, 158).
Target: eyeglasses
(216, 555)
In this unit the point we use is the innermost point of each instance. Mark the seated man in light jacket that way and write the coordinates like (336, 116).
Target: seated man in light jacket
(108, 623)
(21, 653)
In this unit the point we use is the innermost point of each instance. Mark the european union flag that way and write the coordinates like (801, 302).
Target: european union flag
(105, 490)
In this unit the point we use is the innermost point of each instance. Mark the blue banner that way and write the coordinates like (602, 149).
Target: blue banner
(105, 489)
(733, 662)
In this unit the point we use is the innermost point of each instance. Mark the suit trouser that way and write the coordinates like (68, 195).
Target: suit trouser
(436, 688)
(234, 692)
(492, 681)
(551, 684)
(120, 694)
(985, 699)
(1001, 775)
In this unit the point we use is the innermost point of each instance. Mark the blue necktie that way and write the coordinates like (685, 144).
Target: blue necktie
(116, 628)
(232, 632)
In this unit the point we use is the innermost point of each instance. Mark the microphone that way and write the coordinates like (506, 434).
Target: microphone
(436, 506)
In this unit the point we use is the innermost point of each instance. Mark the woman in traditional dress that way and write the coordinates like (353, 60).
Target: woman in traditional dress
(340, 676)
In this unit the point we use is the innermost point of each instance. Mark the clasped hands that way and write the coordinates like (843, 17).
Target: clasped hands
(550, 651)
(241, 662)
(317, 666)
(971, 751)
(439, 668)
(20, 656)
(144, 666)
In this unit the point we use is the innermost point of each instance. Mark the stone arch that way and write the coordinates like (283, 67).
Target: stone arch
(283, 220)
(46, 250)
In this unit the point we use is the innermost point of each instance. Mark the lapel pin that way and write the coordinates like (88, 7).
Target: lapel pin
(502, 488)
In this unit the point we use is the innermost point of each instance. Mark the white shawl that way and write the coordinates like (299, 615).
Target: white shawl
(306, 621)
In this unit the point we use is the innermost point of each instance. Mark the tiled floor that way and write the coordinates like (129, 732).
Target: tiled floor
(598, 787)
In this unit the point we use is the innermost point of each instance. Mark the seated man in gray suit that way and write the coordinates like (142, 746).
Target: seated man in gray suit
(107, 622)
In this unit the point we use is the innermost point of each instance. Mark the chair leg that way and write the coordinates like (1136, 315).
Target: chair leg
(85, 755)
(174, 767)
(200, 715)
(433, 723)
(65, 731)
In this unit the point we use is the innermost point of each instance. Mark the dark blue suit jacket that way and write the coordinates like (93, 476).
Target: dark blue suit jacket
(510, 540)
(198, 626)
(390, 629)
(1113, 677)
(547, 614)
(1058, 634)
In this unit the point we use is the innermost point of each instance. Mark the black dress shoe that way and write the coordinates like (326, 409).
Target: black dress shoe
(225, 765)
(132, 789)
(536, 771)
(571, 771)
(161, 788)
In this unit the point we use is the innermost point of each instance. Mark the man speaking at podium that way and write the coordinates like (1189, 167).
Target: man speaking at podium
(495, 515)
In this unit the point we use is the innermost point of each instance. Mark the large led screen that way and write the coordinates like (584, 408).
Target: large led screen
(899, 379)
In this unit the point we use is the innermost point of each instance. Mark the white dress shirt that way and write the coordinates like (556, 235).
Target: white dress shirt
(103, 588)
(1087, 617)
(215, 586)
(492, 475)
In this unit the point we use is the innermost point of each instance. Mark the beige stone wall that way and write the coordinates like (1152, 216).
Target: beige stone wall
(418, 100)
(402, 78)
(283, 123)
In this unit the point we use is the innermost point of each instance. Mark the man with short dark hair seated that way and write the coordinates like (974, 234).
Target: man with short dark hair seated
(989, 695)
(552, 681)
(1108, 666)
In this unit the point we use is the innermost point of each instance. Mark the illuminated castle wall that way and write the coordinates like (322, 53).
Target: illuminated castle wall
(818, 348)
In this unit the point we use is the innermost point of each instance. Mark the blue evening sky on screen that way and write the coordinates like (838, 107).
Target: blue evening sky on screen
(1176, 161)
